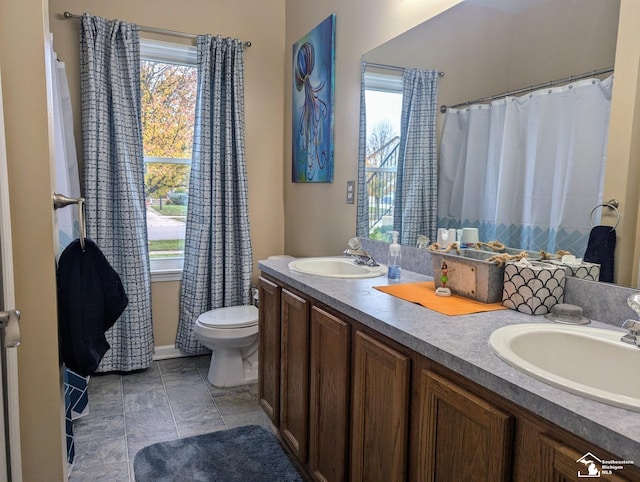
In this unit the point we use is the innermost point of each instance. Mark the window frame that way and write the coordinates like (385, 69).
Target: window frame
(392, 83)
(167, 269)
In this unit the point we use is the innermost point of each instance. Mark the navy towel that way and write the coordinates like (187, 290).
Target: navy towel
(602, 243)
(91, 298)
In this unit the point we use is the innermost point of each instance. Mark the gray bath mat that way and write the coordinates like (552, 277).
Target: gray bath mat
(239, 454)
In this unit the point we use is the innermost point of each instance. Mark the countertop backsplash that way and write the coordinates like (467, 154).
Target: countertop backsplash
(603, 302)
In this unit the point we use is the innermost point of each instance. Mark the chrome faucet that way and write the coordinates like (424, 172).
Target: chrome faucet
(360, 256)
(633, 337)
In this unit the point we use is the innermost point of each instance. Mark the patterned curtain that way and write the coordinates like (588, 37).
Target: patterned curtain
(114, 178)
(362, 216)
(415, 204)
(217, 256)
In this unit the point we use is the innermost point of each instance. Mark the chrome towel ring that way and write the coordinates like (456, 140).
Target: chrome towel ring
(611, 204)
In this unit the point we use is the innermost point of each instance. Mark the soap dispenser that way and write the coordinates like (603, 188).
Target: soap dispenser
(393, 263)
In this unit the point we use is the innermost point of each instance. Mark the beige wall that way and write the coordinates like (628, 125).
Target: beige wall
(317, 219)
(22, 61)
(263, 24)
(258, 21)
(485, 52)
(165, 297)
(623, 156)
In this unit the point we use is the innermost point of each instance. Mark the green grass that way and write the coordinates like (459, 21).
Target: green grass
(170, 210)
(166, 245)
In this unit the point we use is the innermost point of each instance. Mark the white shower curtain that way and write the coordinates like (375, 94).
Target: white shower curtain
(527, 170)
(66, 159)
(67, 182)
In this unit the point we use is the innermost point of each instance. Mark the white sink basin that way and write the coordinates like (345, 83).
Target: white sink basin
(591, 362)
(336, 267)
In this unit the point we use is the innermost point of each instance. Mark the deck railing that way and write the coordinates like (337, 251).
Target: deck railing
(381, 173)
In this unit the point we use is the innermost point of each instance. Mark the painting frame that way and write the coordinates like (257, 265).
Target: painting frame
(313, 94)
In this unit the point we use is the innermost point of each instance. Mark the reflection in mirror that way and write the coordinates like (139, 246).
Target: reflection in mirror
(401, 175)
(486, 48)
(383, 100)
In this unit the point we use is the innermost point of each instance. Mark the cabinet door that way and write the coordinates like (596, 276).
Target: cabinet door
(380, 413)
(461, 436)
(329, 397)
(269, 349)
(561, 463)
(294, 378)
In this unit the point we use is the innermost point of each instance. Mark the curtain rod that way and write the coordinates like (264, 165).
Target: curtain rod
(571, 78)
(392, 67)
(163, 31)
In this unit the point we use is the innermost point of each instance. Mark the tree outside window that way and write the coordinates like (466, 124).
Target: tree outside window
(168, 97)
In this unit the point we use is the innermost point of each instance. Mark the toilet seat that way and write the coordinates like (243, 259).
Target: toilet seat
(230, 317)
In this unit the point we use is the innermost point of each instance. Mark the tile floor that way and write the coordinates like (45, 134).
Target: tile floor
(172, 399)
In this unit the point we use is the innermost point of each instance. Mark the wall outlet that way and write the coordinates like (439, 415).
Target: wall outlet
(351, 192)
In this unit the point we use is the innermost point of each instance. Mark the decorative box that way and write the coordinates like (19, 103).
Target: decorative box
(588, 271)
(469, 275)
(533, 288)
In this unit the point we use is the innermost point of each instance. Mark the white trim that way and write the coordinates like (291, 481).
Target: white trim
(166, 275)
(166, 269)
(167, 52)
(168, 160)
(383, 82)
(165, 352)
(9, 303)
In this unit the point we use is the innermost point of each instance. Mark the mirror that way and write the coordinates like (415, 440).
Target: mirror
(488, 47)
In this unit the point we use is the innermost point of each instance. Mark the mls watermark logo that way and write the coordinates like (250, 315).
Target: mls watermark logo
(590, 466)
(593, 465)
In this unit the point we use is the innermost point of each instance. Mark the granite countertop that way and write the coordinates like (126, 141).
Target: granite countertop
(461, 343)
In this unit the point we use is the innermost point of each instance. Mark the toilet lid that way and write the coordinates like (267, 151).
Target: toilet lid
(230, 317)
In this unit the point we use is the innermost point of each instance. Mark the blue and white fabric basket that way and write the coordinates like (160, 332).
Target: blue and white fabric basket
(533, 287)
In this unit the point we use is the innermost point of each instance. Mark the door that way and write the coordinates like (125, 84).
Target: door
(461, 436)
(294, 374)
(380, 416)
(269, 349)
(10, 465)
(329, 397)
(561, 463)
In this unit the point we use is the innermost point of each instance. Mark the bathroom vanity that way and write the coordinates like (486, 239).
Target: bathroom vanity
(364, 386)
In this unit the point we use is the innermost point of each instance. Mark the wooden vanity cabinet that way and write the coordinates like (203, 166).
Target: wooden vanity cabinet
(269, 349)
(294, 373)
(460, 436)
(380, 412)
(559, 464)
(351, 404)
(329, 396)
(545, 453)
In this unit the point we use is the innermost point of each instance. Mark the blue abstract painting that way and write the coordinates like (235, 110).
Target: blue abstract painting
(313, 94)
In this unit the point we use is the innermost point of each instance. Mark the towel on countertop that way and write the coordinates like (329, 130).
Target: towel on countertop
(600, 248)
(424, 293)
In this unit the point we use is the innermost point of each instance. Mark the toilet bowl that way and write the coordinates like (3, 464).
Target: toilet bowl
(232, 335)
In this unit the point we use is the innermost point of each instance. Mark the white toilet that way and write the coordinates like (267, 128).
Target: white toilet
(232, 334)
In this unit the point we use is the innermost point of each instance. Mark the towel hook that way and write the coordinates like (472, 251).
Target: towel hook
(611, 204)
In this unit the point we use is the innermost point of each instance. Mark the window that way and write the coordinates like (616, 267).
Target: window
(383, 98)
(168, 79)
